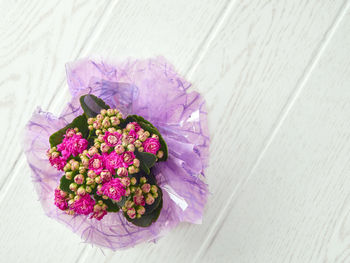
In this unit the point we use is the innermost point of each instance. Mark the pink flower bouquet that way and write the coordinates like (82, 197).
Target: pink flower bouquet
(123, 163)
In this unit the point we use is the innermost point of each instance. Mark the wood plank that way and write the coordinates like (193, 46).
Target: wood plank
(151, 16)
(37, 38)
(247, 76)
(295, 207)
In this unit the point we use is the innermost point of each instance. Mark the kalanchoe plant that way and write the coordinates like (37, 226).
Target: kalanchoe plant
(107, 163)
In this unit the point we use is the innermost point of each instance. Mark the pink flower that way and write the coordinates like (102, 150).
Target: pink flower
(139, 200)
(60, 200)
(58, 162)
(99, 214)
(137, 126)
(132, 136)
(84, 205)
(106, 176)
(112, 138)
(151, 145)
(114, 189)
(131, 213)
(128, 158)
(96, 163)
(72, 145)
(113, 161)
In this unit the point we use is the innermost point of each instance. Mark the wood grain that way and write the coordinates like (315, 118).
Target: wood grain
(275, 76)
(295, 207)
(247, 75)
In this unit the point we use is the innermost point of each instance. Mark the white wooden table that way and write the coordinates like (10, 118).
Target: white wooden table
(276, 77)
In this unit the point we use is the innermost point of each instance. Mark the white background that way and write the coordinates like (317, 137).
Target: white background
(276, 78)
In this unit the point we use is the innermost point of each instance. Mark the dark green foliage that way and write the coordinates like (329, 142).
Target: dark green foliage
(92, 105)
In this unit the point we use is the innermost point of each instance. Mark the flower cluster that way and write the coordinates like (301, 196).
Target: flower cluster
(141, 194)
(101, 170)
(72, 144)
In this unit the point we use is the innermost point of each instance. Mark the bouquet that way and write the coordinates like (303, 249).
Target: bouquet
(107, 162)
(124, 163)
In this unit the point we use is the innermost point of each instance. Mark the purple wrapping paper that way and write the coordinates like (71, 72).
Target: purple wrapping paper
(150, 88)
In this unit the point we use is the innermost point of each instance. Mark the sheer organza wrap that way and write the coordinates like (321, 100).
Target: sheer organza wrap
(149, 88)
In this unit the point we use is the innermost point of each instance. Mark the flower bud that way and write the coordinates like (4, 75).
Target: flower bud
(91, 174)
(103, 112)
(97, 208)
(154, 189)
(100, 137)
(119, 149)
(106, 123)
(147, 133)
(96, 125)
(133, 181)
(73, 187)
(105, 197)
(69, 175)
(97, 144)
(131, 147)
(122, 172)
(155, 136)
(141, 210)
(140, 149)
(67, 167)
(82, 169)
(131, 213)
(130, 127)
(110, 112)
(88, 189)
(160, 154)
(146, 188)
(105, 176)
(131, 169)
(120, 115)
(129, 204)
(115, 121)
(112, 129)
(79, 179)
(74, 165)
(81, 191)
(125, 181)
(143, 137)
(143, 180)
(90, 121)
(98, 132)
(136, 162)
(98, 180)
(155, 195)
(89, 181)
(98, 190)
(90, 127)
(99, 117)
(138, 143)
(127, 191)
(55, 154)
(104, 147)
(149, 199)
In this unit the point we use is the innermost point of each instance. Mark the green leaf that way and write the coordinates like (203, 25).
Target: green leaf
(147, 160)
(92, 105)
(64, 184)
(79, 122)
(147, 219)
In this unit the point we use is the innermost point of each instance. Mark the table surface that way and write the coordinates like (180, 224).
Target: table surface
(276, 78)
